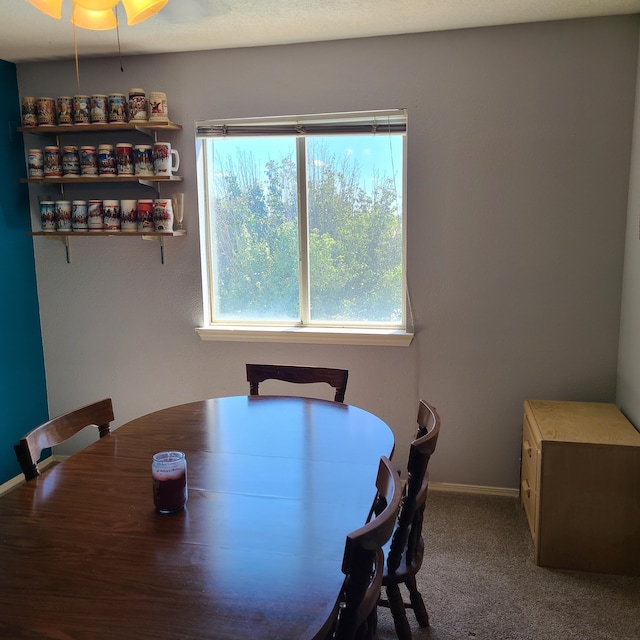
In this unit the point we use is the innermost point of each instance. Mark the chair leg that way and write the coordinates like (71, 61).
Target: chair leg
(398, 611)
(417, 603)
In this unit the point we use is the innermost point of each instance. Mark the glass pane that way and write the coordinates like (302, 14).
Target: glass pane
(254, 204)
(354, 193)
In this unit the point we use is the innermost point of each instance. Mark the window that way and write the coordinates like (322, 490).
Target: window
(302, 224)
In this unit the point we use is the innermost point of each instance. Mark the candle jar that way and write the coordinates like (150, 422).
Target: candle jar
(169, 474)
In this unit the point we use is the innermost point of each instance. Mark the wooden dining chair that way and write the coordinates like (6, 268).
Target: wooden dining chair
(406, 551)
(57, 430)
(298, 374)
(363, 561)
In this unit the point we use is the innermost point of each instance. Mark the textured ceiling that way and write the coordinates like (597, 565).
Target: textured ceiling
(190, 25)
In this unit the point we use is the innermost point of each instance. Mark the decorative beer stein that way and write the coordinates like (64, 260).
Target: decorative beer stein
(117, 107)
(63, 215)
(99, 109)
(137, 105)
(48, 215)
(111, 215)
(124, 158)
(29, 112)
(143, 160)
(70, 161)
(145, 215)
(163, 214)
(52, 162)
(165, 159)
(35, 163)
(65, 110)
(129, 215)
(88, 161)
(106, 160)
(158, 111)
(46, 112)
(95, 215)
(81, 109)
(79, 215)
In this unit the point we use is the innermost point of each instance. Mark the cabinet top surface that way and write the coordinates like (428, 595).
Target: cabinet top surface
(585, 422)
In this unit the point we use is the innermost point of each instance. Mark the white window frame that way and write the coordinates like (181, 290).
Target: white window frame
(283, 332)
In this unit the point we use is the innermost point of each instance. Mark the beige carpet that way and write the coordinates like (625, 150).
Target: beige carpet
(479, 581)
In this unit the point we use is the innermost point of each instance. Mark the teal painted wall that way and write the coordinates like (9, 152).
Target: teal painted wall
(23, 394)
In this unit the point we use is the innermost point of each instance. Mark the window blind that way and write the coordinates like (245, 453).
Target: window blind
(365, 122)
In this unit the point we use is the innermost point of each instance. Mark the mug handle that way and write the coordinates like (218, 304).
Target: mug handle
(175, 155)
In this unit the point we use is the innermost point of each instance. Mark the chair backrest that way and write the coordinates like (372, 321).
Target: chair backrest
(363, 561)
(298, 374)
(57, 430)
(407, 538)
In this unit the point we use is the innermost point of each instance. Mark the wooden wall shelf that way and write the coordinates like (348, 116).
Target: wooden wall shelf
(75, 180)
(65, 237)
(95, 128)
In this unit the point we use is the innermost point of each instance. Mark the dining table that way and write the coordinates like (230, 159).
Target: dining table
(275, 484)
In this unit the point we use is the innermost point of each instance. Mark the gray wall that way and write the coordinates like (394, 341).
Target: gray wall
(518, 155)
(628, 386)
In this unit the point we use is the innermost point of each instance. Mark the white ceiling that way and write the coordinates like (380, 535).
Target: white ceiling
(26, 34)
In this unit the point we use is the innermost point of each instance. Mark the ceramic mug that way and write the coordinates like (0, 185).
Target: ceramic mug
(137, 105)
(111, 215)
(29, 111)
(46, 112)
(158, 111)
(79, 215)
(65, 110)
(117, 107)
(70, 161)
(106, 160)
(145, 215)
(124, 158)
(63, 215)
(165, 159)
(99, 109)
(88, 161)
(81, 109)
(143, 160)
(48, 215)
(35, 163)
(52, 162)
(95, 215)
(162, 214)
(129, 215)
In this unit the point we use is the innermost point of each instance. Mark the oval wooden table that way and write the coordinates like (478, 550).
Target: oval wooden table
(275, 484)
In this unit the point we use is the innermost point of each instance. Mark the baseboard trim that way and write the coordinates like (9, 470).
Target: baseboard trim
(443, 487)
(16, 481)
(446, 487)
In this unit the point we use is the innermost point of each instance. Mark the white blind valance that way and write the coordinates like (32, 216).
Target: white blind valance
(364, 122)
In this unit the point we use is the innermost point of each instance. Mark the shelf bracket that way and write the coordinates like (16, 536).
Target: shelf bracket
(66, 241)
(150, 183)
(160, 241)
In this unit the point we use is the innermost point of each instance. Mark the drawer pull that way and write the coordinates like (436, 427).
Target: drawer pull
(528, 449)
(526, 489)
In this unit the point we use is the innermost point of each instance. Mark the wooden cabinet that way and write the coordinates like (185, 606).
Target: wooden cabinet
(580, 486)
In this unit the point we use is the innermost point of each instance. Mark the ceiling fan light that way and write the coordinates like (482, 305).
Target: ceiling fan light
(139, 10)
(52, 8)
(96, 5)
(93, 20)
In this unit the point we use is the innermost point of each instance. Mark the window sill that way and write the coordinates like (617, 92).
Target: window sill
(371, 337)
